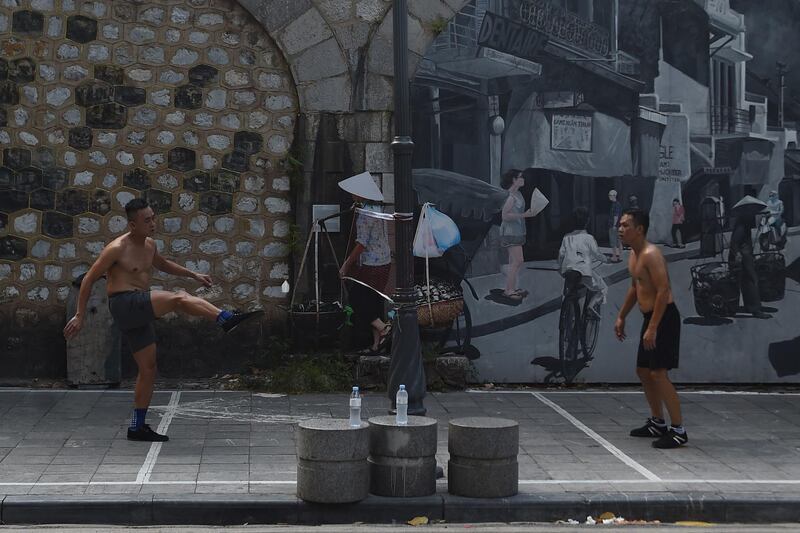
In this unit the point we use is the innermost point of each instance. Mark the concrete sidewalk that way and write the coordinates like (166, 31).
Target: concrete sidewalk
(231, 458)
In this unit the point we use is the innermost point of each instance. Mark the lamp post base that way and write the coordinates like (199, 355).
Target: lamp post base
(406, 366)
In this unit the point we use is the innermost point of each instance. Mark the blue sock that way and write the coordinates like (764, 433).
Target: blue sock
(137, 420)
(223, 316)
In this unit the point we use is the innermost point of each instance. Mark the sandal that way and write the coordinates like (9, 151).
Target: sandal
(386, 336)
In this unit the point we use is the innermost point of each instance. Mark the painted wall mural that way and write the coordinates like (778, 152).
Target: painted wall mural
(599, 106)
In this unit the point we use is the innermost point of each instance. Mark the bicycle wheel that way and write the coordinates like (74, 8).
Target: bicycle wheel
(591, 327)
(568, 337)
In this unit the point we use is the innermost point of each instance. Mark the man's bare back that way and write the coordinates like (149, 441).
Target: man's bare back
(641, 267)
(133, 264)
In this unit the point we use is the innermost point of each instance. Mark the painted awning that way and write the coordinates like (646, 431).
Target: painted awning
(585, 143)
(750, 157)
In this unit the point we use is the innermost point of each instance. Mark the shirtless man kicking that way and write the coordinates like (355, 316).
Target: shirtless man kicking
(128, 262)
(661, 331)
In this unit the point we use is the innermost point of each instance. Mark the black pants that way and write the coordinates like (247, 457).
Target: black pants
(675, 229)
(366, 303)
(748, 281)
(367, 306)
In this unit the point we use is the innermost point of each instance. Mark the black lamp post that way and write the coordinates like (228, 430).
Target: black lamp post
(406, 364)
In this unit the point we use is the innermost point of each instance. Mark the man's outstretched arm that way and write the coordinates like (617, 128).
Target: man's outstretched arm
(107, 258)
(170, 267)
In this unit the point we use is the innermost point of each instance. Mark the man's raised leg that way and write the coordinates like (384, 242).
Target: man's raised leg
(166, 302)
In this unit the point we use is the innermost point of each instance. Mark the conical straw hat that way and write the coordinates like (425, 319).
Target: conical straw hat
(362, 185)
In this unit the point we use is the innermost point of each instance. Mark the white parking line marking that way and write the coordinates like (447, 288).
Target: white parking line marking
(155, 448)
(617, 392)
(613, 450)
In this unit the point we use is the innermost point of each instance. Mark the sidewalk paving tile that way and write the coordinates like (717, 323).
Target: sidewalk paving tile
(241, 445)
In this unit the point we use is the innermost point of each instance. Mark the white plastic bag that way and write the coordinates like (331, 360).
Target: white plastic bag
(436, 232)
(445, 231)
(424, 243)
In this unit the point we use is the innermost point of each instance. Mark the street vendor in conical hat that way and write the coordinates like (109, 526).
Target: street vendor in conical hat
(370, 260)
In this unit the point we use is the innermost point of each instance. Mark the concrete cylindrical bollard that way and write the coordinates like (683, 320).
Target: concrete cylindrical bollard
(332, 461)
(402, 459)
(483, 457)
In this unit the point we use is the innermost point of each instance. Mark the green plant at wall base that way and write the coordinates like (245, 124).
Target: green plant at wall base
(311, 374)
(293, 239)
(429, 351)
(276, 350)
(438, 25)
(294, 169)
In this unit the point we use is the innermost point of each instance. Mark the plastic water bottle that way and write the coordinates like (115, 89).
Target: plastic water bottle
(401, 418)
(355, 408)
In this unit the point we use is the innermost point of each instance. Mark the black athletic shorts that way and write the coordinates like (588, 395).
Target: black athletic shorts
(134, 316)
(668, 341)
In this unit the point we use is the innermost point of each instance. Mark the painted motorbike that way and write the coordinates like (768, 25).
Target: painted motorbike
(772, 233)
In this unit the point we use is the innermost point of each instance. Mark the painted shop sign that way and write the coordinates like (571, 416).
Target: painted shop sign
(673, 151)
(506, 35)
(558, 99)
(571, 131)
(561, 25)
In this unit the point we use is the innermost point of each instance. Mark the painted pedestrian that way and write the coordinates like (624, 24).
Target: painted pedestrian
(513, 232)
(613, 227)
(578, 253)
(678, 218)
(742, 264)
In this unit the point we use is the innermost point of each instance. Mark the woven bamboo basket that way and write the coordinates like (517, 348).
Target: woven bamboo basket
(439, 314)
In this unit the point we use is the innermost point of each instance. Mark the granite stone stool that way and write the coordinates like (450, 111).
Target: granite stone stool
(332, 461)
(483, 457)
(402, 459)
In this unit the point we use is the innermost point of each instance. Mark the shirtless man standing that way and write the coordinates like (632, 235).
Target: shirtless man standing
(128, 262)
(661, 331)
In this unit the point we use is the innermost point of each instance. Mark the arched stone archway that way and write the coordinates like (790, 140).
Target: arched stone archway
(340, 53)
(426, 18)
(305, 34)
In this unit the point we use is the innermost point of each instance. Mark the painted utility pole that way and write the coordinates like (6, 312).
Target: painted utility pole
(781, 68)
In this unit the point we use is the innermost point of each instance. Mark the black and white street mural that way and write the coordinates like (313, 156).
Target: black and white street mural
(684, 108)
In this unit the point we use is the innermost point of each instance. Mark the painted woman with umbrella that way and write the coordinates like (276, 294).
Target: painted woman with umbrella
(740, 255)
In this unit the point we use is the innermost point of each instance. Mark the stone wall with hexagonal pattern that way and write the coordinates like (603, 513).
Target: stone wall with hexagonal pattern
(186, 103)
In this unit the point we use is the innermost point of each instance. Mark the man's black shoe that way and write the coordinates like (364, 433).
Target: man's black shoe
(671, 439)
(649, 429)
(237, 318)
(146, 434)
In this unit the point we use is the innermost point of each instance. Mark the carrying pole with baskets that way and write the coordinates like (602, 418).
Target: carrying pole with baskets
(322, 321)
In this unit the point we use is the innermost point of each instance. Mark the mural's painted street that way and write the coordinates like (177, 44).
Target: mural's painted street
(509, 351)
